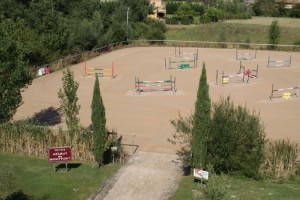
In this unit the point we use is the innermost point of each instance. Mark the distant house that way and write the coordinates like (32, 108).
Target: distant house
(159, 9)
(291, 3)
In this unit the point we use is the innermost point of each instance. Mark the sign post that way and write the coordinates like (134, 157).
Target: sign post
(60, 155)
(200, 174)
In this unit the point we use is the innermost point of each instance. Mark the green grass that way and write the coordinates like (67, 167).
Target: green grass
(36, 177)
(235, 31)
(246, 189)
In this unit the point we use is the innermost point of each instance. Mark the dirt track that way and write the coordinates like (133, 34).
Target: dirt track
(146, 176)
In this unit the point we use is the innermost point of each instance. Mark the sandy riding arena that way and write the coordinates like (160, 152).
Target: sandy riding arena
(145, 118)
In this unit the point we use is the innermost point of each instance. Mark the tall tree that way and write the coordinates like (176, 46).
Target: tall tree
(14, 73)
(68, 100)
(99, 124)
(202, 122)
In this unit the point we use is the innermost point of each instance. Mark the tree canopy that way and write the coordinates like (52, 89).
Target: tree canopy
(14, 74)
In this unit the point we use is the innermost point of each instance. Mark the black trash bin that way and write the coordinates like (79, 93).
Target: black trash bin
(186, 170)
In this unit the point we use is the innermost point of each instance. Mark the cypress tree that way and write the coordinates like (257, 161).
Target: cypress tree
(202, 121)
(99, 124)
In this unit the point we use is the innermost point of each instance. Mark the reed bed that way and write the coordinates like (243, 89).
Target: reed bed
(33, 140)
(280, 159)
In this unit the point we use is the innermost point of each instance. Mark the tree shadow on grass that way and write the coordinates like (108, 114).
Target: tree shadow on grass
(62, 166)
(20, 195)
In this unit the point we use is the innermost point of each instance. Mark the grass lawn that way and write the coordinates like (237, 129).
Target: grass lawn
(256, 30)
(246, 189)
(36, 177)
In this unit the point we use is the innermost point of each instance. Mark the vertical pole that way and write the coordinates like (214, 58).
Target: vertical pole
(255, 53)
(132, 142)
(54, 167)
(222, 77)
(84, 68)
(240, 66)
(290, 59)
(174, 84)
(170, 63)
(256, 74)
(268, 60)
(66, 167)
(272, 92)
(175, 51)
(236, 54)
(166, 63)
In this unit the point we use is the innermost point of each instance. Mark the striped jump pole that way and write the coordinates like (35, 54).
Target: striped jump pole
(226, 77)
(245, 55)
(296, 89)
(279, 63)
(152, 86)
(101, 72)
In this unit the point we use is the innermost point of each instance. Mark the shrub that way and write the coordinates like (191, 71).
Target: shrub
(187, 20)
(236, 140)
(280, 159)
(204, 19)
(215, 188)
(274, 34)
(183, 138)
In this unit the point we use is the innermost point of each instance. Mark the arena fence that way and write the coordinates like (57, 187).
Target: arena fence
(83, 56)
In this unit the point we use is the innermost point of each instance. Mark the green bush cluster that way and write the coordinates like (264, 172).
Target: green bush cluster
(236, 141)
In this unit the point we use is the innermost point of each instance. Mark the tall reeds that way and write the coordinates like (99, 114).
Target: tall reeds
(28, 139)
(280, 159)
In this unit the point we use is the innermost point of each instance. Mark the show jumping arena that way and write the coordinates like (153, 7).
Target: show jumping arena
(145, 119)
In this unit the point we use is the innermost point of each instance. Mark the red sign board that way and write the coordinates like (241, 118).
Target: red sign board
(59, 154)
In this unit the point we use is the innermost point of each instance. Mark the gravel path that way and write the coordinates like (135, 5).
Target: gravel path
(146, 176)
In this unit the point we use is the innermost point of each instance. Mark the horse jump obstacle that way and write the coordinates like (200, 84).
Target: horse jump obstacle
(155, 86)
(185, 54)
(181, 63)
(101, 72)
(252, 72)
(286, 94)
(279, 63)
(245, 55)
(225, 78)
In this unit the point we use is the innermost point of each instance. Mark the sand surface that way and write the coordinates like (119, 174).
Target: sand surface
(147, 116)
